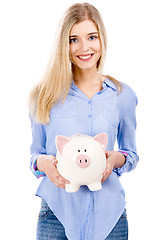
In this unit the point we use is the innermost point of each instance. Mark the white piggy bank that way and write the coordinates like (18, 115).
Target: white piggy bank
(81, 160)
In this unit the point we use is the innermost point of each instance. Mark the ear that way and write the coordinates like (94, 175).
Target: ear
(102, 138)
(61, 141)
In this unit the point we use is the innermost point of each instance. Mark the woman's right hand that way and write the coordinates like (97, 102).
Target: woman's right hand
(47, 164)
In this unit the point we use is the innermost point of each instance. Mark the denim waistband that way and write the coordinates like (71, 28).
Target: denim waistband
(44, 205)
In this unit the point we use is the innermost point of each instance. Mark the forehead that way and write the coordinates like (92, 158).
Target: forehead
(83, 28)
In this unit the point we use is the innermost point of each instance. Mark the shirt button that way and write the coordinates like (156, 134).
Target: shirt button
(89, 115)
(89, 102)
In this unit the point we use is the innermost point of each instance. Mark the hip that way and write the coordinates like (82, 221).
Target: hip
(50, 228)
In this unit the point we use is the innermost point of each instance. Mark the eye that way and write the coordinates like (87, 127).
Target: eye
(92, 38)
(78, 150)
(73, 40)
(85, 150)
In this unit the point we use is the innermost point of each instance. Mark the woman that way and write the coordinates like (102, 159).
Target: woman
(74, 97)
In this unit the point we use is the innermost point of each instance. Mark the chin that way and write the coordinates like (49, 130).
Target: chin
(86, 66)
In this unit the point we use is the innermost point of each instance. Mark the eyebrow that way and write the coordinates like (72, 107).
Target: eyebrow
(87, 34)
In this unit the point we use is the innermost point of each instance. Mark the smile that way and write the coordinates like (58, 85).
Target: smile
(85, 57)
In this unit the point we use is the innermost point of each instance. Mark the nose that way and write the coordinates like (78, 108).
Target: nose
(84, 45)
(83, 161)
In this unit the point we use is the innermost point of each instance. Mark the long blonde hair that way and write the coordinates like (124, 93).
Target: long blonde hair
(58, 77)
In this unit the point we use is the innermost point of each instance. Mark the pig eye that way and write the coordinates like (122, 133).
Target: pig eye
(85, 150)
(78, 150)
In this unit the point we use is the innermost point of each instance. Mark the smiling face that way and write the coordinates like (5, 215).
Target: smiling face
(85, 47)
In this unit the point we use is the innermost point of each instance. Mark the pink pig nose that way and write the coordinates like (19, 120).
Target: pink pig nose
(83, 161)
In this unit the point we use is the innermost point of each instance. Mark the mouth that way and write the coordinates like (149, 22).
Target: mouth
(85, 57)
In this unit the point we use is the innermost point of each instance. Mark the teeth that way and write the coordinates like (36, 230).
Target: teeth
(85, 57)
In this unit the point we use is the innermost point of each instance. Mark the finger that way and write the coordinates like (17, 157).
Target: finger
(62, 179)
(60, 185)
(52, 159)
(107, 153)
(106, 173)
(56, 178)
(108, 170)
(54, 162)
(104, 179)
(60, 182)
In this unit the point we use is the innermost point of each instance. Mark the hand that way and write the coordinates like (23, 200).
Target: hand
(47, 164)
(113, 160)
(110, 161)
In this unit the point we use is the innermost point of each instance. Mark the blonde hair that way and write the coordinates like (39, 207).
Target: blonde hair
(58, 77)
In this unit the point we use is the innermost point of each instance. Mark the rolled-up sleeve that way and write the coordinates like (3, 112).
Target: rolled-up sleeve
(37, 147)
(126, 137)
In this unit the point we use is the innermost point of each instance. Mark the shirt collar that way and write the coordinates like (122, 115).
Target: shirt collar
(107, 83)
(73, 85)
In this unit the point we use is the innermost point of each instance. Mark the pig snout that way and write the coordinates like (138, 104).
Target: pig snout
(83, 161)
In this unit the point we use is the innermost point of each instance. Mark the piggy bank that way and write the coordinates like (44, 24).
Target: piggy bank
(81, 160)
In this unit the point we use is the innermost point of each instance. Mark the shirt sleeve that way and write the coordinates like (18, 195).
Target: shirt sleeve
(37, 146)
(126, 137)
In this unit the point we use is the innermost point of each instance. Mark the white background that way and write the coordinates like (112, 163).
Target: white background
(27, 31)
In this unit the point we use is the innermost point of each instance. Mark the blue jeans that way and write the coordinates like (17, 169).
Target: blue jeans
(50, 228)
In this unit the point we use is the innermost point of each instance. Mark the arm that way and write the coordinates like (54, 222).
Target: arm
(37, 147)
(126, 158)
(127, 136)
(42, 164)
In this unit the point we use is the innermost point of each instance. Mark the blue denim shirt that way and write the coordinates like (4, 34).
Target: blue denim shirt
(85, 214)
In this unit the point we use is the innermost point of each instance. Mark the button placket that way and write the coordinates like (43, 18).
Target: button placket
(89, 109)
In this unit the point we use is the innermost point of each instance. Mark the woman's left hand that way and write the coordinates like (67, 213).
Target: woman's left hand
(113, 160)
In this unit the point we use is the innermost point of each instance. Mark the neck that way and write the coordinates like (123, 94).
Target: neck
(86, 77)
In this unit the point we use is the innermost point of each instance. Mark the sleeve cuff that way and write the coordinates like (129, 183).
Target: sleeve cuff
(131, 163)
(34, 169)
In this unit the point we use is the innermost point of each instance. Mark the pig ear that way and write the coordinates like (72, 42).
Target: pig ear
(61, 141)
(102, 138)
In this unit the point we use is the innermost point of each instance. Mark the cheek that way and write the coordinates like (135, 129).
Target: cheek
(97, 46)
(71, 54)
(73, 50)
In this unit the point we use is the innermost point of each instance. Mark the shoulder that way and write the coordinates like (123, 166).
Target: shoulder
(127, 94)
(126, 100)
(123, 89)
